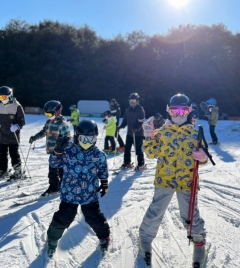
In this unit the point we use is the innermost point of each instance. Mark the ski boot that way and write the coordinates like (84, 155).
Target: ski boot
(147, 256)
(140, 168)
(104, 243)
(198, 251)
(52, 245)
(128, 165)
(49, 192)
(17, 175)
(121, 149)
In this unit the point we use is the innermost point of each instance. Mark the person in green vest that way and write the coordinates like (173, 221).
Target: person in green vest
(74, 119)
(110, 126)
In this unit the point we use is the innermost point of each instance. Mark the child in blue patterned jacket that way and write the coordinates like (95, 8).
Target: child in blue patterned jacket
(84, 165)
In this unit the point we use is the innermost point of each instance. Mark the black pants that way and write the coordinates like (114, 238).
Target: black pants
(14, 154)
(112, 141)
(55, 176)
(139, 152)
(213, 134)
(66, 214)
(74, 129)
(119, 139)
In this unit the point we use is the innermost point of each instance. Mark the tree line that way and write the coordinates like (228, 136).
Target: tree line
(53, 60)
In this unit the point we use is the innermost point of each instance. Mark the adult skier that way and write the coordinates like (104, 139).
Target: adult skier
(173, 145)
(55, 127)
(212, 121)
(11, 121)
(84, 166)
(74, 119)
(116, 111)
(133, 118)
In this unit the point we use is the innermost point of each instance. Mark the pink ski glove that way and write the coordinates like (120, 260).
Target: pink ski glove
(199, 155)
(148, 128)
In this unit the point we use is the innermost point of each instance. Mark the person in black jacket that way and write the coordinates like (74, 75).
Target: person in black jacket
(116, 111)
(12, 119)
(133, 119)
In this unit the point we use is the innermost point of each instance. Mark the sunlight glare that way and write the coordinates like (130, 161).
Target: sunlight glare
(178, 3)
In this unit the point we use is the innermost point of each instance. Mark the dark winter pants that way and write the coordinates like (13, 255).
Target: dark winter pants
(66, 214)
(112, 141)
(213, 134)
(14, 154)
(55, 176)
(139, 152)
(119, 139)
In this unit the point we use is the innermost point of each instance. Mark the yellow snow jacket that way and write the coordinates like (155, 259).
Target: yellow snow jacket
(173, 146)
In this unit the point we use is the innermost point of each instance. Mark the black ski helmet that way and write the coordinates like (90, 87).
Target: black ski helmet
(52, 106)
(133, 96)
(113, 101)
(5, 91)
(87, 128)
(179, 100)
(108, 112)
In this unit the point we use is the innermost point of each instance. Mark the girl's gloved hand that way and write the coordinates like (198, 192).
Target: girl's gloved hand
(148, 128)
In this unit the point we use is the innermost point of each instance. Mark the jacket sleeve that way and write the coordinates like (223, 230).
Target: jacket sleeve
(41, 133)
(140, 119)
(20, 116)
(152, 145)
(102, 172)
(64, 130)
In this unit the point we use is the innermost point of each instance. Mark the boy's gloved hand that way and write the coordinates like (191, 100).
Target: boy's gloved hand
(32, 139)
(14, 128)
(103, 188)
(148, 128)
(199, 155)
(61, 144)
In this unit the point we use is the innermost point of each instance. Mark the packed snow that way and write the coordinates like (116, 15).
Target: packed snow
(23, 228)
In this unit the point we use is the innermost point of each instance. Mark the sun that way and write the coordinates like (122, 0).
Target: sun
(178, 3)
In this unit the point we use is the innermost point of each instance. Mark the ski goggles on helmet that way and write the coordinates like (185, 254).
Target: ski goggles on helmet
(87, 141)
(49, 114)
(179, 110)
(3, 97)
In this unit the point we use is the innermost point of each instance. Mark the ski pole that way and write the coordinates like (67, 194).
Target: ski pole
(25, 165)
(115, 152)
(134, 143)
(22, 154)
(194, 186)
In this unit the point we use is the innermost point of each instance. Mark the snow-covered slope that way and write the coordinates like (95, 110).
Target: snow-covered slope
(23, 228)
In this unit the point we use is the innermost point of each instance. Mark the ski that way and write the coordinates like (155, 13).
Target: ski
(31, 199)
(206, 256)
(50, 261)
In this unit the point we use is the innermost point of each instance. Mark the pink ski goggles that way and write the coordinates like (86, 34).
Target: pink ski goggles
(179, 110)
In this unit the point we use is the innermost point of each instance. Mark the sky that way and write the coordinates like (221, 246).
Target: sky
(112, 17)
(23, 228)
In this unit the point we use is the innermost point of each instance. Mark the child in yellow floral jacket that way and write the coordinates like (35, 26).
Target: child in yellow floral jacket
(173, 145)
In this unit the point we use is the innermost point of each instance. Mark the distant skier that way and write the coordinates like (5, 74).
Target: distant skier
(110, 126)
(84, 166)
(74, 119)
(116, 111)
(133, 118)
(55, 127)
(11, 120)
(173, 146)
(212, 120)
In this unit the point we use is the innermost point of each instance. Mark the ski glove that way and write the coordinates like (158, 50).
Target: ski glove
(134, 130)
(32, 139)
(148, 128)
(14, 128)
(200, 155)
(61, 144)
(103, 188)
(69, 120)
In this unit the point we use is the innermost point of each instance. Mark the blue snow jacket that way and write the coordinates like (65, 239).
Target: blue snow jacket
(82, 171)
